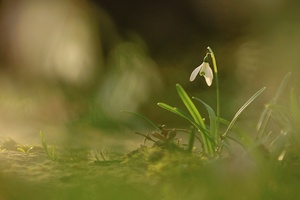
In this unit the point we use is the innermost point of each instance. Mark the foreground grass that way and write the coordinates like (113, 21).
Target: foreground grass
(147, 173)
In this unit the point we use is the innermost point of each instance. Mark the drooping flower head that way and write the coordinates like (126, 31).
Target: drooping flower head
(203, 70)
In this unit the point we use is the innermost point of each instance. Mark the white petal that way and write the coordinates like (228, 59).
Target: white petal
(208, 74)
(195, 72)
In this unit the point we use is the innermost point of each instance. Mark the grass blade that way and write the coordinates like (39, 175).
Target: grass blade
(266, 114)
(191, 140)
(212, 119)
(224, 135)
(241, 110)
(21, 150)
(143, 117)
(178, 112)
(195, 115)
(224, 121)
(53, 154)
(190, 105)
(44, 144)
(203, 132)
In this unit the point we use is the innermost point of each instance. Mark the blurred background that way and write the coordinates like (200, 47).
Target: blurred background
(67, 67)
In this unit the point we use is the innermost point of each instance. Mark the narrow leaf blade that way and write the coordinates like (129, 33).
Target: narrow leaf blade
(176, 111)
(143, 117)
(212, 119)
(242, 109)
(266, 114)
(187, 117)
(190, 105)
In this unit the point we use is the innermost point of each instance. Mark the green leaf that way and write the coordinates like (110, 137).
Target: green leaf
(145, 118)
(178, 112)
(21, 150)
(44, 143)
(281, 115)
(243, 136)
(224, 121)
(237, 141)
(196, 116)
(190, 106)
(52, 154)
(196, 119)
(187, 117)
(191, 140)
(242, 109)
(212, 119)
(266, 114)
(29, 149)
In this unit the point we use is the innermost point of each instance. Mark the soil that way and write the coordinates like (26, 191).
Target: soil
(146, 173)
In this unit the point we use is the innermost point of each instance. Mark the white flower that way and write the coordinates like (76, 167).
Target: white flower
(203, 70)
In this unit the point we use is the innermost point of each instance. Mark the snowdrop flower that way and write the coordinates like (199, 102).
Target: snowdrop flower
(203, 70)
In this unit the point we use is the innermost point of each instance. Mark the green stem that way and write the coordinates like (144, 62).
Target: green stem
(214, 61)
(217, 85)
(191, 140)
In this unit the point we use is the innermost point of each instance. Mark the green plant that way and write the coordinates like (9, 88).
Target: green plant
(166, 137)
(101, 154)
(211, 137)
(266, 114)
(24, 149)
(283, 140)
(51, 152)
